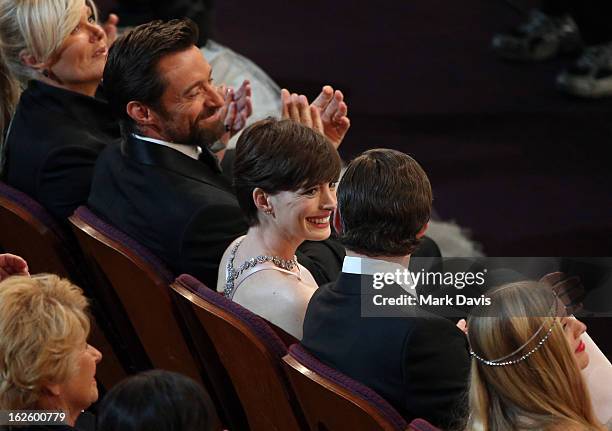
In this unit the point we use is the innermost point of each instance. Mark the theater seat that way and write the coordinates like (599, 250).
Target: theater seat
(133, 285)
(28, 230)
(217, 379)
(332, 401)
(251, 353)
(422, 425)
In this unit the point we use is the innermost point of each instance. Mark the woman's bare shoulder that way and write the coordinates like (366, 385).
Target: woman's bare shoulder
(276, 286)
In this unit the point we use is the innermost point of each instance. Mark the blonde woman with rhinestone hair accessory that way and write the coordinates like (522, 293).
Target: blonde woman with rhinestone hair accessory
(45, 361)
(52, 55)
(526, 363)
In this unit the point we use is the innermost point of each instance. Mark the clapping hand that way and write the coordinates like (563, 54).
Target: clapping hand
(238, 108)
(110, 28)
(12, 265)
(327, 114)
(333, 114)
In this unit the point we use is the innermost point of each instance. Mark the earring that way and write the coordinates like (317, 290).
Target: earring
(269, 211)
(45, 73)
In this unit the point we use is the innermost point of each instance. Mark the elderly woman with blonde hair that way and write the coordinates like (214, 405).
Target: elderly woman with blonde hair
(45, 361)
(56, 127)
(526, 364)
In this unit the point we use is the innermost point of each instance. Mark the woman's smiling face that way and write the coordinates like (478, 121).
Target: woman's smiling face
(306, 213)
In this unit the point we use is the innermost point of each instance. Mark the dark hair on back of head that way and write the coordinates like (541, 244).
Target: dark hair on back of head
(131, 68)
(281, 155)
(157, 400)
(384, 200)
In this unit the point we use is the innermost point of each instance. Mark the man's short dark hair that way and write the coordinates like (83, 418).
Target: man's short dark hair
(131, 68)
(281, 155)
(384, 199)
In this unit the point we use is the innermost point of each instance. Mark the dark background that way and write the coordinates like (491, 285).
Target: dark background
(522, 166)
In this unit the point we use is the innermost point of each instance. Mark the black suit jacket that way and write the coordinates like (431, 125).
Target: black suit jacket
(419, 364)
(184, 210)
(55, 138)
(181, 209)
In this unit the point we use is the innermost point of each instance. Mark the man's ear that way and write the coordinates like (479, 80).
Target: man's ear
(142, 114)
(337, 221)
(420, 234)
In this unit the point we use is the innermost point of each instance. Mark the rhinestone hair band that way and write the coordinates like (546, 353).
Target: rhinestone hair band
(501, 363)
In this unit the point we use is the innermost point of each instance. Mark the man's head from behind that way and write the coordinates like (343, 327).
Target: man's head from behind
(384, 204)
(159, 85)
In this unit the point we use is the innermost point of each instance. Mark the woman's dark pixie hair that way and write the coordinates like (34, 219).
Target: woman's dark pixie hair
(131, 68)
(384, 200)
(281, 155)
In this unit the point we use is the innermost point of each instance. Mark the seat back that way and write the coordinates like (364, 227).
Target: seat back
(128, 274)
(332, 401)
(29, 231)
(422, 425)
(251, 353)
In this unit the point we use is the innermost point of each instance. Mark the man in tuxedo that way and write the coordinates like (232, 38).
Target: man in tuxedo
(164, 186)
(418, 361)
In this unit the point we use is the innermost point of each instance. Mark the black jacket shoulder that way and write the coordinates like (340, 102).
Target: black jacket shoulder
(54, 140)
(420, 364)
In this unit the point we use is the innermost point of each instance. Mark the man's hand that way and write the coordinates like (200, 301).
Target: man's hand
(110, 28)
(333, 114)
(327, 114)
(12, 265)
(238, 108)
(296, 108)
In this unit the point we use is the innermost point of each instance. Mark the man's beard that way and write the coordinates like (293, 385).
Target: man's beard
(201, 137)
(197, 136)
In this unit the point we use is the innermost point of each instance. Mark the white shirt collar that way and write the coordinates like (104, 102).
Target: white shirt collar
(188, 150)
(370, 266)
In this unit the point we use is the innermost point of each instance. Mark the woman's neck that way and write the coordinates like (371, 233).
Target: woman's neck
(71, 417)
(53, 403)
(269, 241)
(85, 88)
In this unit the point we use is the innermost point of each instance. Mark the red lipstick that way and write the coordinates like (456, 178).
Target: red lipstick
(580, 347)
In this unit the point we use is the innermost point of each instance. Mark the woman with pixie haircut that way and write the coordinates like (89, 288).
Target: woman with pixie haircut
(285, 177)
(56, 50)
(157, 400)
(526, 362)
(45, 361)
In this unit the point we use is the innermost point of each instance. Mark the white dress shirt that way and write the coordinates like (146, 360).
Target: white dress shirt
(188, 150)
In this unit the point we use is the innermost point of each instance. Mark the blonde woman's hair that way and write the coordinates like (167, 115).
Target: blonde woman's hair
(43, 324)
(31, 27)
(545, 390)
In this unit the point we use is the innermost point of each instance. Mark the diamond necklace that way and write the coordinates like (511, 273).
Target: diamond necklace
(231, 274)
